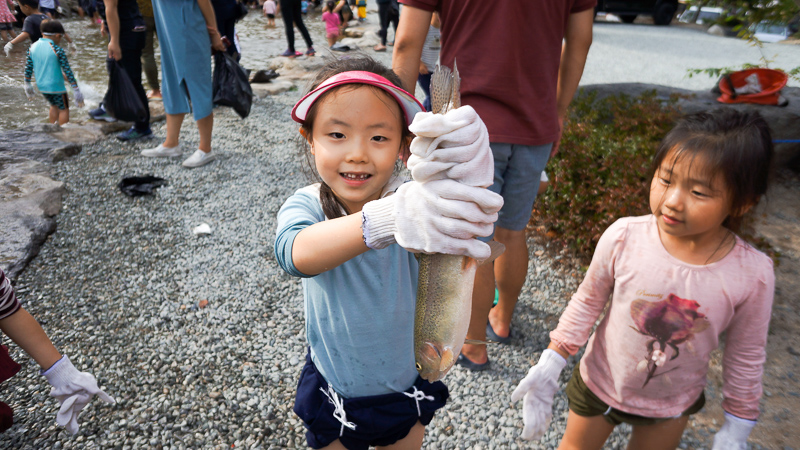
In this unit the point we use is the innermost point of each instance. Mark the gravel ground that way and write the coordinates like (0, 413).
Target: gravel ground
(119, 288)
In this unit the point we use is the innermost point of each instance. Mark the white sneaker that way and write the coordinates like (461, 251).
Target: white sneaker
(198, 158)
(163, 152)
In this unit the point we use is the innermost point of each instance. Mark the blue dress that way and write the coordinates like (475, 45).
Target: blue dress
(185, 57)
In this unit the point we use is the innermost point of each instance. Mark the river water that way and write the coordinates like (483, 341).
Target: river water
(259, 44)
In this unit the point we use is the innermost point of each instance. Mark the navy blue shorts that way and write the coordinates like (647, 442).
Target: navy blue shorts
(375, 420)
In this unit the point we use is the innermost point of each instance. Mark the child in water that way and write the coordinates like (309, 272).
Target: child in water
(31, 27)
(46, 61)
(73, 389)
(677, 278)
(349, 236)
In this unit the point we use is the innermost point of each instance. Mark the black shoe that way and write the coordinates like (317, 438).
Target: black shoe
(465, 362)
(133, 134)
(492, 336)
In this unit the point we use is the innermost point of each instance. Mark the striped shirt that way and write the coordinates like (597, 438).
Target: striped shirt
(46, 61)
(8, 301)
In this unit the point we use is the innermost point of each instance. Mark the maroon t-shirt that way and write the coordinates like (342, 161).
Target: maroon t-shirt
(508, 53)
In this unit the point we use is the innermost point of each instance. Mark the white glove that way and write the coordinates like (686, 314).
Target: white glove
(733, 434)
(537, 391)
(29, 92)
(74, 390)
(8, 47)
(78, 97)
(440, 216)
(454, 145)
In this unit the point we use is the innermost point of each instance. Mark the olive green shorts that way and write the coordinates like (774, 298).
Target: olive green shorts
(584, 403)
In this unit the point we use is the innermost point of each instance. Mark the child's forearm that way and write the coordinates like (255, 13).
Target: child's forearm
(326, 245)
(553, 346)
(20, 38)
(26, 332)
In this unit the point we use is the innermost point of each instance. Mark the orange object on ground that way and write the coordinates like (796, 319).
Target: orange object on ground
(772, 81)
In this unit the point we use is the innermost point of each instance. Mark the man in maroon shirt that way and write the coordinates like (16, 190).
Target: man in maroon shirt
(520, 64)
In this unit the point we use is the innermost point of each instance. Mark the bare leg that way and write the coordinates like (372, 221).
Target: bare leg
(412, 441)
(174, 122)
(63, 116)
(661, 436)
(53, 114)
(585, 433)
(510, 270)
(205, 126)
(482, 296)
(335, 445)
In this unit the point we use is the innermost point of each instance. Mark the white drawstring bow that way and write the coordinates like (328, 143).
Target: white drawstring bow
(338, 409)
(418, 395)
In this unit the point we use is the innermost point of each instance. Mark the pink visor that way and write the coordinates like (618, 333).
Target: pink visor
(410, 105)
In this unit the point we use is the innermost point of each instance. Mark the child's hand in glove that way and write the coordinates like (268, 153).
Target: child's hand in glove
(74, 390)
(78, 97)
(29, 92)
(442, 216)
(537, 391)
(451, 146)
(733, 434)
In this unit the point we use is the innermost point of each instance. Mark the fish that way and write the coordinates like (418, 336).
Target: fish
(444, 292)
(443, 309)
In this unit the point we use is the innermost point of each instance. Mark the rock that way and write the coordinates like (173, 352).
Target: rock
(264, 76)
(716, 30)
(29, 199)
(354, 32)
(275, 87)
(784, 122)
(77, 134)
(36, 145)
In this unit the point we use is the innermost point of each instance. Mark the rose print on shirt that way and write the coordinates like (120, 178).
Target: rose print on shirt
(669, 322)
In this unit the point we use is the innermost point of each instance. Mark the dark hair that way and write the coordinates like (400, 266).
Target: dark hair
(331, 5)
(30, 3)
(51, 26)
(734, 145)
(331, 205)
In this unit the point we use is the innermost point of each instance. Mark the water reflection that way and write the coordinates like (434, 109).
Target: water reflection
(259, 43)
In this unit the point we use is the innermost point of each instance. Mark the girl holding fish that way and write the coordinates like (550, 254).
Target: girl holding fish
(673, 281)
(350, 238)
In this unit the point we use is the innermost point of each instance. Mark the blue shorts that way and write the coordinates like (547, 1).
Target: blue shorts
(363, 421)
(517, 170)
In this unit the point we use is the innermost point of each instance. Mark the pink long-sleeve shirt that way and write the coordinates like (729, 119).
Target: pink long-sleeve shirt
(649, 355)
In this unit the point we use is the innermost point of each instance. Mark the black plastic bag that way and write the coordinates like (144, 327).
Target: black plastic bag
(122, 102)
(240, 11)
(137, 186)
(230, 86)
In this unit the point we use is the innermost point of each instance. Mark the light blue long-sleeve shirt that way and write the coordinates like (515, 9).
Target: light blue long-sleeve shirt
(360, 315)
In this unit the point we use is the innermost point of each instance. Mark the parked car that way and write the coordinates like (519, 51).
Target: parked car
(662, 10)
(772, 32)
(707, 15)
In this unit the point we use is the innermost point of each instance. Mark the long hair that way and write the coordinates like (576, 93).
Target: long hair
(734, 145)
(331, 205)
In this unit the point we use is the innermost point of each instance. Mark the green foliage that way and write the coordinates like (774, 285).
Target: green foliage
(601, 172)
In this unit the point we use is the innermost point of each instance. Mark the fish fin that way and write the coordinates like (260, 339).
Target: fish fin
(497, 250)
(455, 88)
(476, 342)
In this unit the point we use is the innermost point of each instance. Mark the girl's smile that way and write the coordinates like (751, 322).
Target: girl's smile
(356, 139)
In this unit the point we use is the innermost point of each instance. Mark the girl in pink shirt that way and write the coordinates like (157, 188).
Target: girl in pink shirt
(330, 15)
(673, 281)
